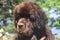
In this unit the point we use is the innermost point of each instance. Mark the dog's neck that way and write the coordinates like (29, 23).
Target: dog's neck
(32, 37)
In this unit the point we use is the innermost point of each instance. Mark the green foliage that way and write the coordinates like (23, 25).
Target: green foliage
(10, 28)
(8, 7)
(56, 23)
(49, 3)
(17, 1)
(1, 16)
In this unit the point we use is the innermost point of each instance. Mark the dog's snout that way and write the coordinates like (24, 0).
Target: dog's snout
(20, 26)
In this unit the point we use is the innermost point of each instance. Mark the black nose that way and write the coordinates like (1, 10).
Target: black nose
(20, 26)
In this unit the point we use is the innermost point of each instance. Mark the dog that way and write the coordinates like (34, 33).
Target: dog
(31, 22)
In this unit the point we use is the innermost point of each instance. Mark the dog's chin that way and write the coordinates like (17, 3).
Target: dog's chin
(28, 34)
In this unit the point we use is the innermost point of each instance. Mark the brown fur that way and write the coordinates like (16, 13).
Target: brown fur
(30, 22)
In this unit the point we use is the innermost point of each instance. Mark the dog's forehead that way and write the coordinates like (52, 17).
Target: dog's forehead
(26, 7)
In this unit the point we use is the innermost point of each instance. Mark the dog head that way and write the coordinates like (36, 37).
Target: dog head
(28, 15)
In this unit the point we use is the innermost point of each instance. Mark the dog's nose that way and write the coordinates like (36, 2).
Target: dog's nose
(20, 26)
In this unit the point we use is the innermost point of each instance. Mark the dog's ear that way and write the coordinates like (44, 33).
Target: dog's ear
(40, 15)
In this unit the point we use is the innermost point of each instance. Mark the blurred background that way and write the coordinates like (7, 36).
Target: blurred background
(50, 7)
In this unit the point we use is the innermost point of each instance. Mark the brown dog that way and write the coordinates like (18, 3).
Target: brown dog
(30, 22)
